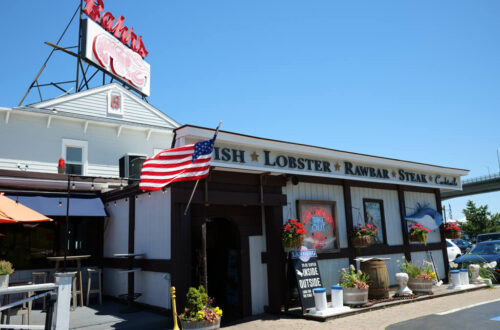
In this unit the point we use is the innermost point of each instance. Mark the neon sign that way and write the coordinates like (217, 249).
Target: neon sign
(93, 9)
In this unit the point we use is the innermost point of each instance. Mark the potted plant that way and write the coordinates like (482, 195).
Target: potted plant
(5, 271)
(199, 312)
(362, 236)
(421, 278)
(355, 286)
(450, 229)
(418, 233)
(292, 234)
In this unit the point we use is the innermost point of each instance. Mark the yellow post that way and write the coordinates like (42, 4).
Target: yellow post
(174, 309)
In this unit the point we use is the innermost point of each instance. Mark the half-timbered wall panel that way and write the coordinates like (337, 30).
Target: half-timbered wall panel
(330, 270)
(424, 199)
(155, 288)
(316, 192)
(258, 274)
(152, 225)
(116, 228)
(391, 210)
(419, 257)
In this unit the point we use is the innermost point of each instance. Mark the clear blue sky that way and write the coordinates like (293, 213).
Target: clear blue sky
(414, 80)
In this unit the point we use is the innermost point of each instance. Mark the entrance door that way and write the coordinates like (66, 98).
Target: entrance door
(224, 266)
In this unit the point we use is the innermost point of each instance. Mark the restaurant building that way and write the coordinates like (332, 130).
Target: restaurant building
(254, 186)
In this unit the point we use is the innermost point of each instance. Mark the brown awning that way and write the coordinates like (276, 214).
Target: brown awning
(12, 212)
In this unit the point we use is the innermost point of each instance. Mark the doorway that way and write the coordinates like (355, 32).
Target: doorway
(224, 266)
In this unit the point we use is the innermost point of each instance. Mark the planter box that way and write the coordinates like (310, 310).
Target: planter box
(4, 281)
(420, 286)
(201, 325)
(353, 296)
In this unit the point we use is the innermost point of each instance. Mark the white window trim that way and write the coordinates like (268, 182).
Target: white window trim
(78, 144)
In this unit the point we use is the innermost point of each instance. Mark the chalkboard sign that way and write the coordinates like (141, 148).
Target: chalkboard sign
(307, 275)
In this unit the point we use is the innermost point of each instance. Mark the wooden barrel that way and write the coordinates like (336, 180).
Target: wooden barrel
(379, 279)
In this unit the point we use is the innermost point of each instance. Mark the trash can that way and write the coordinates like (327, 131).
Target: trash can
(320, 298)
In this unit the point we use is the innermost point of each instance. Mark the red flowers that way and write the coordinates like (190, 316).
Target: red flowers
(368, 230)
(450, 226)
(292, 233)
(418, 227)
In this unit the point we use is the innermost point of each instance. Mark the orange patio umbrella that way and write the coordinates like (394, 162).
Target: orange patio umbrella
(12, 212)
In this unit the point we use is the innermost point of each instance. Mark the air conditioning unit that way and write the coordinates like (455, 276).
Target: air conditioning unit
(130, 166)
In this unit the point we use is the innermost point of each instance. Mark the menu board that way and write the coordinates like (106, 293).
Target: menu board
(307, 274)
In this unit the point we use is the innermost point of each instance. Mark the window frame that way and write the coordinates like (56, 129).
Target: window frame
(382, 217)
(76, 144)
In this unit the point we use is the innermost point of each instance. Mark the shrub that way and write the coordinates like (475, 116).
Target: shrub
(6, 267)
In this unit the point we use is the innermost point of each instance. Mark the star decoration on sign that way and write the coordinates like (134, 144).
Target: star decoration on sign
(255, 157)
(337, 167)
(430, 177)
(393, 174)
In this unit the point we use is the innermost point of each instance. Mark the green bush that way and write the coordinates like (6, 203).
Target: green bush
(6, 268)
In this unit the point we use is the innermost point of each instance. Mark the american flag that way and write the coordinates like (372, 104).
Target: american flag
(186, 163)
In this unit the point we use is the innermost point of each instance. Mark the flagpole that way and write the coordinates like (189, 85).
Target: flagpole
(196, 184)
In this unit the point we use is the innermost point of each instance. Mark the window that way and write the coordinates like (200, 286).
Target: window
(374, 215)
(320, 221)
(74, 153)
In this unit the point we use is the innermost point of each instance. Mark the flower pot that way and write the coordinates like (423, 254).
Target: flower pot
(200, 325)
(4, 281)
(354, 296)
(418, 238)
(452, 234)
(361, 241)
(420, 285)
(295, 243)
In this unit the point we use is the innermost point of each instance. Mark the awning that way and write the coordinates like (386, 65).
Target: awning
(12, 211)
(54, 206)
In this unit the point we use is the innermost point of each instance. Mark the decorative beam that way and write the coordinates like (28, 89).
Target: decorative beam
(7, 116)
(149, 134)
(85, 127)
(119, 131)
(49, 120)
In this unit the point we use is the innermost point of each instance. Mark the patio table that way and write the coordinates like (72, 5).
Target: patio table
(78, 260)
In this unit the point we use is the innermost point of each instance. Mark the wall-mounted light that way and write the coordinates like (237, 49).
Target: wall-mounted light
(149, 194)
(60, 203)
(73, 186)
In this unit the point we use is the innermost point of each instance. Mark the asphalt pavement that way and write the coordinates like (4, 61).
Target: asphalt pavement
(483, 316)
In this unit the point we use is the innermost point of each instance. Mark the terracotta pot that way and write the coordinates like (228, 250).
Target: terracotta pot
(420, 285)
(361, 241)
(200, 325)
(452, 234)
(353, 296)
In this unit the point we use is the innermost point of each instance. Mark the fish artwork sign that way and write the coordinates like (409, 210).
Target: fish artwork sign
(427, 217)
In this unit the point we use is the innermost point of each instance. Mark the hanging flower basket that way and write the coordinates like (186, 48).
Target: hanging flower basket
(450, 230)
(292, 234)
(418, 233)
(361, 241)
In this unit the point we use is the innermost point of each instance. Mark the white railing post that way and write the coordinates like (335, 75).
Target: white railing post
(63, 281)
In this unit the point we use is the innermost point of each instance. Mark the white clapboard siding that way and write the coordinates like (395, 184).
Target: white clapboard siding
(152, 225)
(424, 199)
(419, 257)
(391, 210)
(94, 102)
(392, 265)
(330, 271)
(154, 287)
(116, 228)
(317, 192)
(114, 283)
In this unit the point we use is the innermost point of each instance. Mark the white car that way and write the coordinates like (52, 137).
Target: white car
(453, 250)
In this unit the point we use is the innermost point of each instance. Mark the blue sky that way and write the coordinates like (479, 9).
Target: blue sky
(413, 80)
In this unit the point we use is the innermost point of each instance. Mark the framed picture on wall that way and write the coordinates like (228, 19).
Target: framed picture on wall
(374, 215)
(320, 221)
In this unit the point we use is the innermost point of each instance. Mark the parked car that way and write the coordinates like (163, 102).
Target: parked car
(462, 244)
(487, 251)
(488, 237)
(453, 250)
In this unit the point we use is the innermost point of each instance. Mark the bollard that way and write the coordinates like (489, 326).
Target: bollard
(63, 281)
(174, 309)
